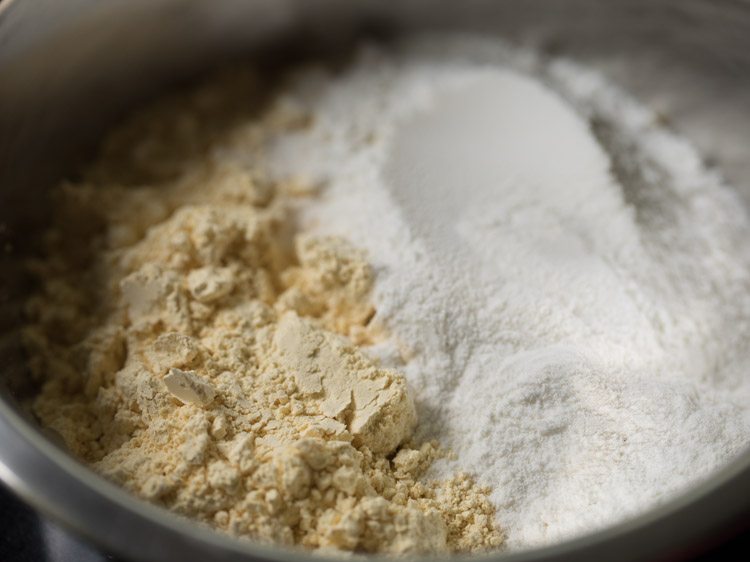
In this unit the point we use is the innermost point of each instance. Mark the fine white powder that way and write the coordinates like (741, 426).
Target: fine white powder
(566, 285)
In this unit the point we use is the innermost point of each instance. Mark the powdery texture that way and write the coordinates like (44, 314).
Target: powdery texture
(567, 285)
(199, 352)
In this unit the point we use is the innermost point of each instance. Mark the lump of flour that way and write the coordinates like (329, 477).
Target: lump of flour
(197, 350)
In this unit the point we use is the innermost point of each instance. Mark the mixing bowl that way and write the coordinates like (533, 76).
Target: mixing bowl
(68, 69)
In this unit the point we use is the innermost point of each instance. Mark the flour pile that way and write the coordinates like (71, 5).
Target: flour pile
(566, 286)
(199, 350)
(233, 301)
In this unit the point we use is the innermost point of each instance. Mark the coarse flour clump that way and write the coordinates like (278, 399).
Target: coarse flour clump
(198, 350)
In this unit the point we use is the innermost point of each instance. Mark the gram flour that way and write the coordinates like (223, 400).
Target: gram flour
(199, 350)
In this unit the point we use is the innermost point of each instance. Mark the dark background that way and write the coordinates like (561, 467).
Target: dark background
(25, 538)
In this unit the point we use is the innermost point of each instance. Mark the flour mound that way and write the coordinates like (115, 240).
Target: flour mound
(200, 351)
(567, 286)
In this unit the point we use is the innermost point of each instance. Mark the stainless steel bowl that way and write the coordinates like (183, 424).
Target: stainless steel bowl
(68, 69)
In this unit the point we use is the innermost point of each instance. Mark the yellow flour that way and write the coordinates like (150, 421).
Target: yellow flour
(202, 354)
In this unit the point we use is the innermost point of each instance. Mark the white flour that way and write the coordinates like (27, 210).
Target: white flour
(567, 286)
